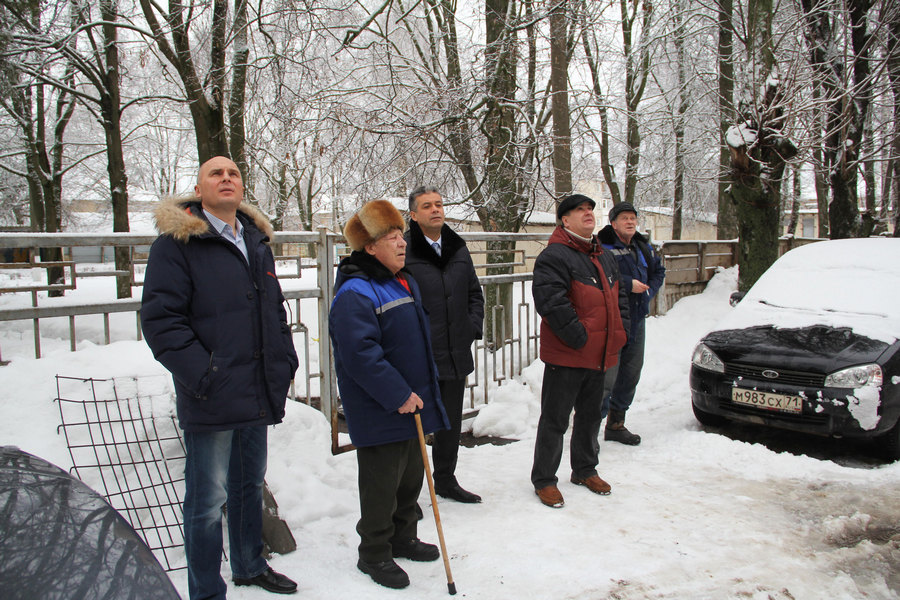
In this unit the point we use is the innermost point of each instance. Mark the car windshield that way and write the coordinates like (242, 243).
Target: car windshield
(843, 283)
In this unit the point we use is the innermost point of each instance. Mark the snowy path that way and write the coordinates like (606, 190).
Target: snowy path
(692, 514)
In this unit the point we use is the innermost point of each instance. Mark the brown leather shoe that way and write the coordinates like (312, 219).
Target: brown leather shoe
(550, 496)
(593, 483)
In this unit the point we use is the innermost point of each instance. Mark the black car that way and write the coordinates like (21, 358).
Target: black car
(812, 347)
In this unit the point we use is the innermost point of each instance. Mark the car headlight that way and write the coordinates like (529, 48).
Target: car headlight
(855, 377)
(704, 358)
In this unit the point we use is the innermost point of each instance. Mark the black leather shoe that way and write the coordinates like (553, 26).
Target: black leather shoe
(415, 549)
(454, 492)
(387, 573)
(270, 581)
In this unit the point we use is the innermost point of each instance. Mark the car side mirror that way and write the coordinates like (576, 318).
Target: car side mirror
(736, 297)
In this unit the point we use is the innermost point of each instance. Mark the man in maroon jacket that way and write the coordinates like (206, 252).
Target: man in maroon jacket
(584, 320)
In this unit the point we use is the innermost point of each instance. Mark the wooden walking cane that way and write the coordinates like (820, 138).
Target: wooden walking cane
(451, 587)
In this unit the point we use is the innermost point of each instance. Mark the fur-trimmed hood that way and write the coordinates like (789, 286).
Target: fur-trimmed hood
(181, 217)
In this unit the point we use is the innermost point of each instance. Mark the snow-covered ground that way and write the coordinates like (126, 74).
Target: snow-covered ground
(692, 514)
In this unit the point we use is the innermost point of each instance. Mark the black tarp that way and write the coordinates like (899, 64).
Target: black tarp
(59, 539)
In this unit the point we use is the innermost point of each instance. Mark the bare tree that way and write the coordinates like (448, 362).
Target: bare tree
(97, 66)
(204, 95)
(839, 36)
(795, 200)
(42, 112)
(559, 82)
(681, 111)
(726, 220)
(893, 67)
(759, 149)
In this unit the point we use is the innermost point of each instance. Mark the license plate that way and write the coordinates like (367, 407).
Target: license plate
(767, 400)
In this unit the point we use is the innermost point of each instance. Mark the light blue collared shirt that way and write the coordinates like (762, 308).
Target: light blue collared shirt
(440, 245)
(224, 229)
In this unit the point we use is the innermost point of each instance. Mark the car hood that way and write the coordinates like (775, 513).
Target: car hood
(816, 349)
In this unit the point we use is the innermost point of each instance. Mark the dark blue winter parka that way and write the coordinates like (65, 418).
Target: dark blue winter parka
(648, 268)
(382, 353)
(217, 323)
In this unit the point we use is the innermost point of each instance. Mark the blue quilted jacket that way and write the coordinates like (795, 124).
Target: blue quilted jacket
(382, 353)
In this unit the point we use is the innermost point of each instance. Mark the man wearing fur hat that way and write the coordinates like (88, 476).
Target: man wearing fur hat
(642, 274)
(385, 373)
(213, 315)
(442, 266)
(584, 317)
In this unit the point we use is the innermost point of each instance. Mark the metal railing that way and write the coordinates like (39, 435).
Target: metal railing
(511, 342)
(496, 362)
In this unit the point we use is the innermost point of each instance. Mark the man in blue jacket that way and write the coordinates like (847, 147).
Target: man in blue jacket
(385, 373)
(642, 274)
(213, 315)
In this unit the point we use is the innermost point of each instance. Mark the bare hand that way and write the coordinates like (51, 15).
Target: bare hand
(638, 287)
(412, 403)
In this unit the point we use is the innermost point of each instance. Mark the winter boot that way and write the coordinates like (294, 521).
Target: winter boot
(616, 432)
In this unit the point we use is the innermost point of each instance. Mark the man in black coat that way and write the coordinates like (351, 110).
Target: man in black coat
(442, 266)
(213, 315)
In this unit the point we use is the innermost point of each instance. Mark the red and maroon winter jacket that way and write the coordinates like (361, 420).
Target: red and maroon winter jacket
(584, 313)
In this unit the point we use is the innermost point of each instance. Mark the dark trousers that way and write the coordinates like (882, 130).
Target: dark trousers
(621, 380)
(390, 479)
(565, 389)
(445, 447)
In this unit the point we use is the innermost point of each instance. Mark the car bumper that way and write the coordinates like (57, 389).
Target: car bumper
(825, 412)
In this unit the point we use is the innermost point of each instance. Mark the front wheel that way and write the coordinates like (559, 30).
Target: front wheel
(708, 419)
(889, 443)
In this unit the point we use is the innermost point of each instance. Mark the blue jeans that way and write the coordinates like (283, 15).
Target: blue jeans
(621, 380)
(223, 467)
(565, 389)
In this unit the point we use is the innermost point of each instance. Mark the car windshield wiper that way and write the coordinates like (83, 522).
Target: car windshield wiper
(828, 310)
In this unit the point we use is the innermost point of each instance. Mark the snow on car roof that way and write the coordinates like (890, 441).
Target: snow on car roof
(841, 283)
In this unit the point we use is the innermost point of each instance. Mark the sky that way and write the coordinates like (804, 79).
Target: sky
(693, 513)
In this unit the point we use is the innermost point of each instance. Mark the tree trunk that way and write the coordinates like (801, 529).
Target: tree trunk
(637, 68)
(893, 50)
(606, 167)
(111, 113)
(726, 220)
(237, 103)
(559, 81)
(847, 93)
(207, 113)
(795, 201)
(759, 152)
(678, 192)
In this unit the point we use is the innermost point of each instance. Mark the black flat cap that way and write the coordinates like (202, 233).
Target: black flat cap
(570, 202)
(620, 208)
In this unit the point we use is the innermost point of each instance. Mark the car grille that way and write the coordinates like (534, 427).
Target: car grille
(785, 377)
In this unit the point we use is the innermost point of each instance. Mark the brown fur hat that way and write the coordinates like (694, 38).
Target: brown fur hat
(373, 220)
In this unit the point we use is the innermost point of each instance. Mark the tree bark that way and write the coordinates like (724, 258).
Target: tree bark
(207, 112)
(606, 167)
(559, 81)
(111, 113)
(795, 201)
(726, 220)
(637, 69)
(681, 111)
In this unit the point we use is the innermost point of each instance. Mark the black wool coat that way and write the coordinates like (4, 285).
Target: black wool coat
(451, 295)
